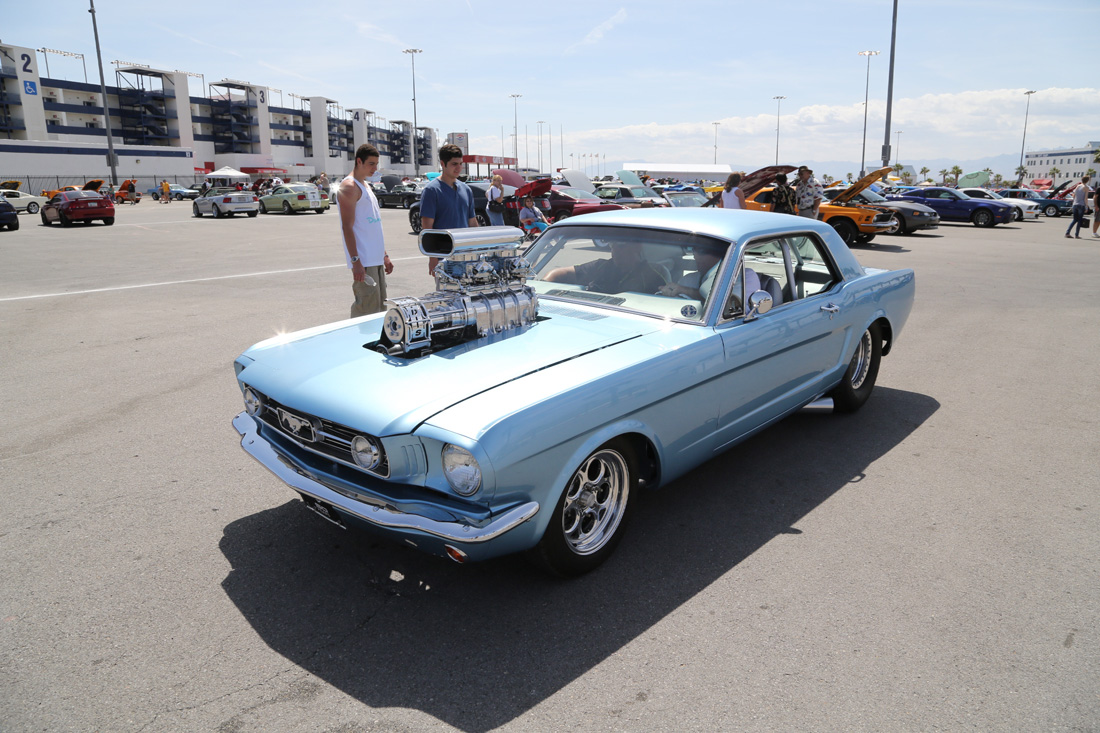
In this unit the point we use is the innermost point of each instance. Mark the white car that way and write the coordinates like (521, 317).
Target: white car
(1025, 209)
(23, 201)
(226, 202)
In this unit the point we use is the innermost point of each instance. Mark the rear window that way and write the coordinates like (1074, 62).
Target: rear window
(74, 195)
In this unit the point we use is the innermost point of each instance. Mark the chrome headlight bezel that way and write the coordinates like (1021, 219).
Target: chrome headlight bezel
(253, 404)
(461, 469)
(366, 451)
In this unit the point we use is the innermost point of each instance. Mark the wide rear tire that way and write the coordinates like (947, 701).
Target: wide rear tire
(859, 380)
(109, 221)
(591, 514)
(65, 221)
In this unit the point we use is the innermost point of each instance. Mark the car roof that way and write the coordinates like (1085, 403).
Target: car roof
(733, 226)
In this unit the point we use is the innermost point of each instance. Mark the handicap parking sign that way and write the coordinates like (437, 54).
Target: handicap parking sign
(29, 87)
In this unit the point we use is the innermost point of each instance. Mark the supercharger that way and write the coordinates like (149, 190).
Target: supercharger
(480, 289)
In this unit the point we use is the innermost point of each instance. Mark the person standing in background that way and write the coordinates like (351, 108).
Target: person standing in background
(447, 203)
(808, 193)
(361, 227)
(732, 196)
(1080, 203)
(495, 194)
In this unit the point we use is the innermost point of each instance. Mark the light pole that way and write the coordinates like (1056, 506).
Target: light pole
(866, 97)
(1027, 109)
(416, 158)
(515, 128)
(540, 123)
(778, 102)
(716, 124)
(889, 87)
(106, 108)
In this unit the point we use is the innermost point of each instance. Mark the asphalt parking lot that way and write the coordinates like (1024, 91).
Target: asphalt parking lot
(929, 563)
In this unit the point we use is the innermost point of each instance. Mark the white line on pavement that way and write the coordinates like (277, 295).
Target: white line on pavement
(184, 282)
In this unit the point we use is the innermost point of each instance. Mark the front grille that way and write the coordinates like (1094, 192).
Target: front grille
(331, 440)
(883, 218)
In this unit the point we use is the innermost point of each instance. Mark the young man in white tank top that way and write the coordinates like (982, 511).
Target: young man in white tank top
(361, 226)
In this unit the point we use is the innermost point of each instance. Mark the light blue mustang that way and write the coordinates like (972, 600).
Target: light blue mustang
(526, 402)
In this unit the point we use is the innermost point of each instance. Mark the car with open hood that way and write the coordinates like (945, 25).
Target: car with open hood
(909, 217)
(566, 201)
(1050, 207)
(527, 402)
(93, 185)
(954, 205)
(513, 202)
(855, 223)
(21, 200)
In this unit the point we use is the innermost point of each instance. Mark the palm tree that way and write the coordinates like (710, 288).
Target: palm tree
(998, 179)
(956, 171)
(827, 179)
(1053, 173)
(897, 169)
(850, 178)
(907, 178)
(1091, 173)
(1021, 171)
(943, 173)
(924, 171)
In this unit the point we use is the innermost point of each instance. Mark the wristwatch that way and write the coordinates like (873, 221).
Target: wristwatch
(354, 259)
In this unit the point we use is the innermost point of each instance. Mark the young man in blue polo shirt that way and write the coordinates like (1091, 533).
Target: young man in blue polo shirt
(447, 203)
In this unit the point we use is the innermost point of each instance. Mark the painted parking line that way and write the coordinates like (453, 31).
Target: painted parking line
(185, 282)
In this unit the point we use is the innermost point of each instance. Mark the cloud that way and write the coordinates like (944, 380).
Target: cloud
(596, 34)
(199, 41)
(962, 126)
(374, 33)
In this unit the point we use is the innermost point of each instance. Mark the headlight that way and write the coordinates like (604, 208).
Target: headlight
(461, 469)
(252, 402)
(367, 452)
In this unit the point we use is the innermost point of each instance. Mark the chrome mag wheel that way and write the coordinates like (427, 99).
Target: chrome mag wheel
(595, 501)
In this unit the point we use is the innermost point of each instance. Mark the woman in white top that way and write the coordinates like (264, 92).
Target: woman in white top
(495, 193)
(732, 196)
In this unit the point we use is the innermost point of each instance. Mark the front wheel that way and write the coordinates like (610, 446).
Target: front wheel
(45, 222)
(32, 207)
(408, 202)
(561, 215)
(156, 197)
(414, 221)
(14, 226)
(1051, 210)
(846, 229)
(195, 211)
(1019, 214)
(982, 218)
(263, 207)
(859, 380)
(483, 220)
(590, 516)
(178, 197)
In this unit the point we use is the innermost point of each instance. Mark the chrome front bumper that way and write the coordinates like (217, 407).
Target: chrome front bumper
(373, 510)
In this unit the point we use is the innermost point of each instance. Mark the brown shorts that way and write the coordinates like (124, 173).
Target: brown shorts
(369, 298)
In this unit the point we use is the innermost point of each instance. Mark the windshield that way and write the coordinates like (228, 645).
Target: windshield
(579, 194)
(659, 273)
(686, 199)
(642, 192)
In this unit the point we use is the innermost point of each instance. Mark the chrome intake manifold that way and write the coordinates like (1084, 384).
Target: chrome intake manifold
(480, 289)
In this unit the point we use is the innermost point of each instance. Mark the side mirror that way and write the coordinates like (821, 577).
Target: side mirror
(760, 303)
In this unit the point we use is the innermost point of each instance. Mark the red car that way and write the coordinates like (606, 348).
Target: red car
(566, 201)
(69, 206)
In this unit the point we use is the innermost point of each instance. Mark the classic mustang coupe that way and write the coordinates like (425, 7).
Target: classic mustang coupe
(525, 403)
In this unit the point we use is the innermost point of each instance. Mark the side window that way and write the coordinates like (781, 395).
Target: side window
(812, 271)
(764, 197)
(763, 267)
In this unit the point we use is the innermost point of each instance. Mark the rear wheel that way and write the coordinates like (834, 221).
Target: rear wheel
(561, 215)
(982, 218)
(216, 211)
(109, 221)
(156, 197)
(483, 220)
(859, 380)
(414, 221)
(321, 210)
(591, 514)
(252, 214)
(14, 225)
(65, 221)
(32, 207)
(287, 208)
(846, 229)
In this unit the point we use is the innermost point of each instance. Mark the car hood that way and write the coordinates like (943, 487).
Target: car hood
(576, 179)
(861, 185)
(93, 185)
(10, 185)
(758, 179)
(328, 371)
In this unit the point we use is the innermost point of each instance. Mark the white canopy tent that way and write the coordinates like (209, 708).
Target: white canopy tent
(226, 176)
(681, 171)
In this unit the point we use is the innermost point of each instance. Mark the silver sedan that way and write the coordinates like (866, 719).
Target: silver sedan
(226, 202)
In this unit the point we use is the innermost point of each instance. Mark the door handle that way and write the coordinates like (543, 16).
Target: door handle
(831, 309)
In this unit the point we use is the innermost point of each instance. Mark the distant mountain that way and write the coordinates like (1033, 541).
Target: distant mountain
(1004, 164)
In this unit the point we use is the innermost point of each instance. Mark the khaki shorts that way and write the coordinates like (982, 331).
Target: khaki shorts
(369, 298)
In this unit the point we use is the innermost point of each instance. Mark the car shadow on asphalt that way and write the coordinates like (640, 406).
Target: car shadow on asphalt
(477, 646)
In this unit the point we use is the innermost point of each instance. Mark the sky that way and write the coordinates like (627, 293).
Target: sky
(639, 81)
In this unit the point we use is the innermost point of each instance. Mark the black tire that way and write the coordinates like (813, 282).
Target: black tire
(45, 222)
(414, 221)
(1051, 210)
(218, 214)
(109, 221)
(252, 214)
(483, 219)
(1018, 215)
(195, 211)
(14, 226)
(859, 379)
(178, 197)
(561, 215)
(156, 196)
(902, 228)
(287, 208)
(865, 238)
(846, 229)
(263, 207)
(65, 221)
(982, 218)
(567, 549)
(321, 210)
(32, 207)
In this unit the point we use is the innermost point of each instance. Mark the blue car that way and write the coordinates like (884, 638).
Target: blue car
(953, 205)
(9, 217)
(526, 403)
